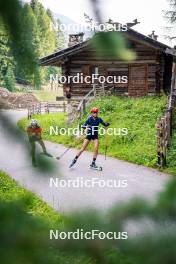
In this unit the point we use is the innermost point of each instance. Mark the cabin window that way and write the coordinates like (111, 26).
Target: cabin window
(95, 70)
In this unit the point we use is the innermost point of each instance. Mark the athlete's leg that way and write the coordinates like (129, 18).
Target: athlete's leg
(42, 145)
(96, 146)
(84, 146)
(95, 153)
(32, 143)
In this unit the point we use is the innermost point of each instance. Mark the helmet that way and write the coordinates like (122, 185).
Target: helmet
(94, 110)
(34, 122)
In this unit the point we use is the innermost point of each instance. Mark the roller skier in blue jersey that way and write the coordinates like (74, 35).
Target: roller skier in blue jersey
(91, 125)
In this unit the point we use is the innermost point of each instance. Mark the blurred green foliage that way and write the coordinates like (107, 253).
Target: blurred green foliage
(112, 45)
(25, 222)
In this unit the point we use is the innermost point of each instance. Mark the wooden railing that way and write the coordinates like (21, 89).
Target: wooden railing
(96, 91)
(82, 105)
(46, 107)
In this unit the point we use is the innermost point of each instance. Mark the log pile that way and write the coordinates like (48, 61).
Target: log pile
(9, 100)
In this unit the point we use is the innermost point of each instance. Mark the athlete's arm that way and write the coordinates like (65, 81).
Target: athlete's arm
(106, 124)
(86, 124)
(39, 132)
(29, 131)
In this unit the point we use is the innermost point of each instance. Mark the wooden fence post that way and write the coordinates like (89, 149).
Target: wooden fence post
(94, 90)
(29, 112)
(161, 142)
(158, 143)
(84, 106)
(169, 125)
(103, 89)
(47, 108)
(164, 128)
(64, 107)
(165, 138)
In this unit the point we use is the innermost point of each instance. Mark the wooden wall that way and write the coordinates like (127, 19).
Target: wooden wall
(145, 74)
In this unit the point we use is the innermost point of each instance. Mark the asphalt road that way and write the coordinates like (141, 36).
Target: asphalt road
(139, 181)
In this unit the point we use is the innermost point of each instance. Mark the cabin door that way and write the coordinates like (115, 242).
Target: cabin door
(120, 85)
(138, 80)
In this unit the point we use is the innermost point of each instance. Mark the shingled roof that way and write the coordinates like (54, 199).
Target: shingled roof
(65, 53)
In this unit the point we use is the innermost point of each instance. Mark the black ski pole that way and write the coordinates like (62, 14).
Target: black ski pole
(64, 153)
(106, 144)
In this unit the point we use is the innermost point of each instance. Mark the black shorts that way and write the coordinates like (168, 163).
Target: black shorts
(92, 137)
(34, 139)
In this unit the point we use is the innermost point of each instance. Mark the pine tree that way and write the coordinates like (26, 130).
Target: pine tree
(6, 57)
(49, 36)
(170, 15)
(9, 80)
(60, 36)
(38, 36)
(33, 4)
(30, 40)
(50, 15)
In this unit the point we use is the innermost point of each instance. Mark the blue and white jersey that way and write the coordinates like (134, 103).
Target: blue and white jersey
(92, 124)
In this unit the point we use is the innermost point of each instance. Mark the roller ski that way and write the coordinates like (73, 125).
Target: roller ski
(93, 166)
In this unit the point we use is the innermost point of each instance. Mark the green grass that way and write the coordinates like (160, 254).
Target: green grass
(24, 235)
(139, 116)
(25, 222)
(46, 96)
(10, 191)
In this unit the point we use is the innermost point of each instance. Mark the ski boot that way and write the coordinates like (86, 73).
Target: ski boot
(93, 166)
(48, 154)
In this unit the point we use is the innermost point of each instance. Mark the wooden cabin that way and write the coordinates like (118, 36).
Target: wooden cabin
(149, 74)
